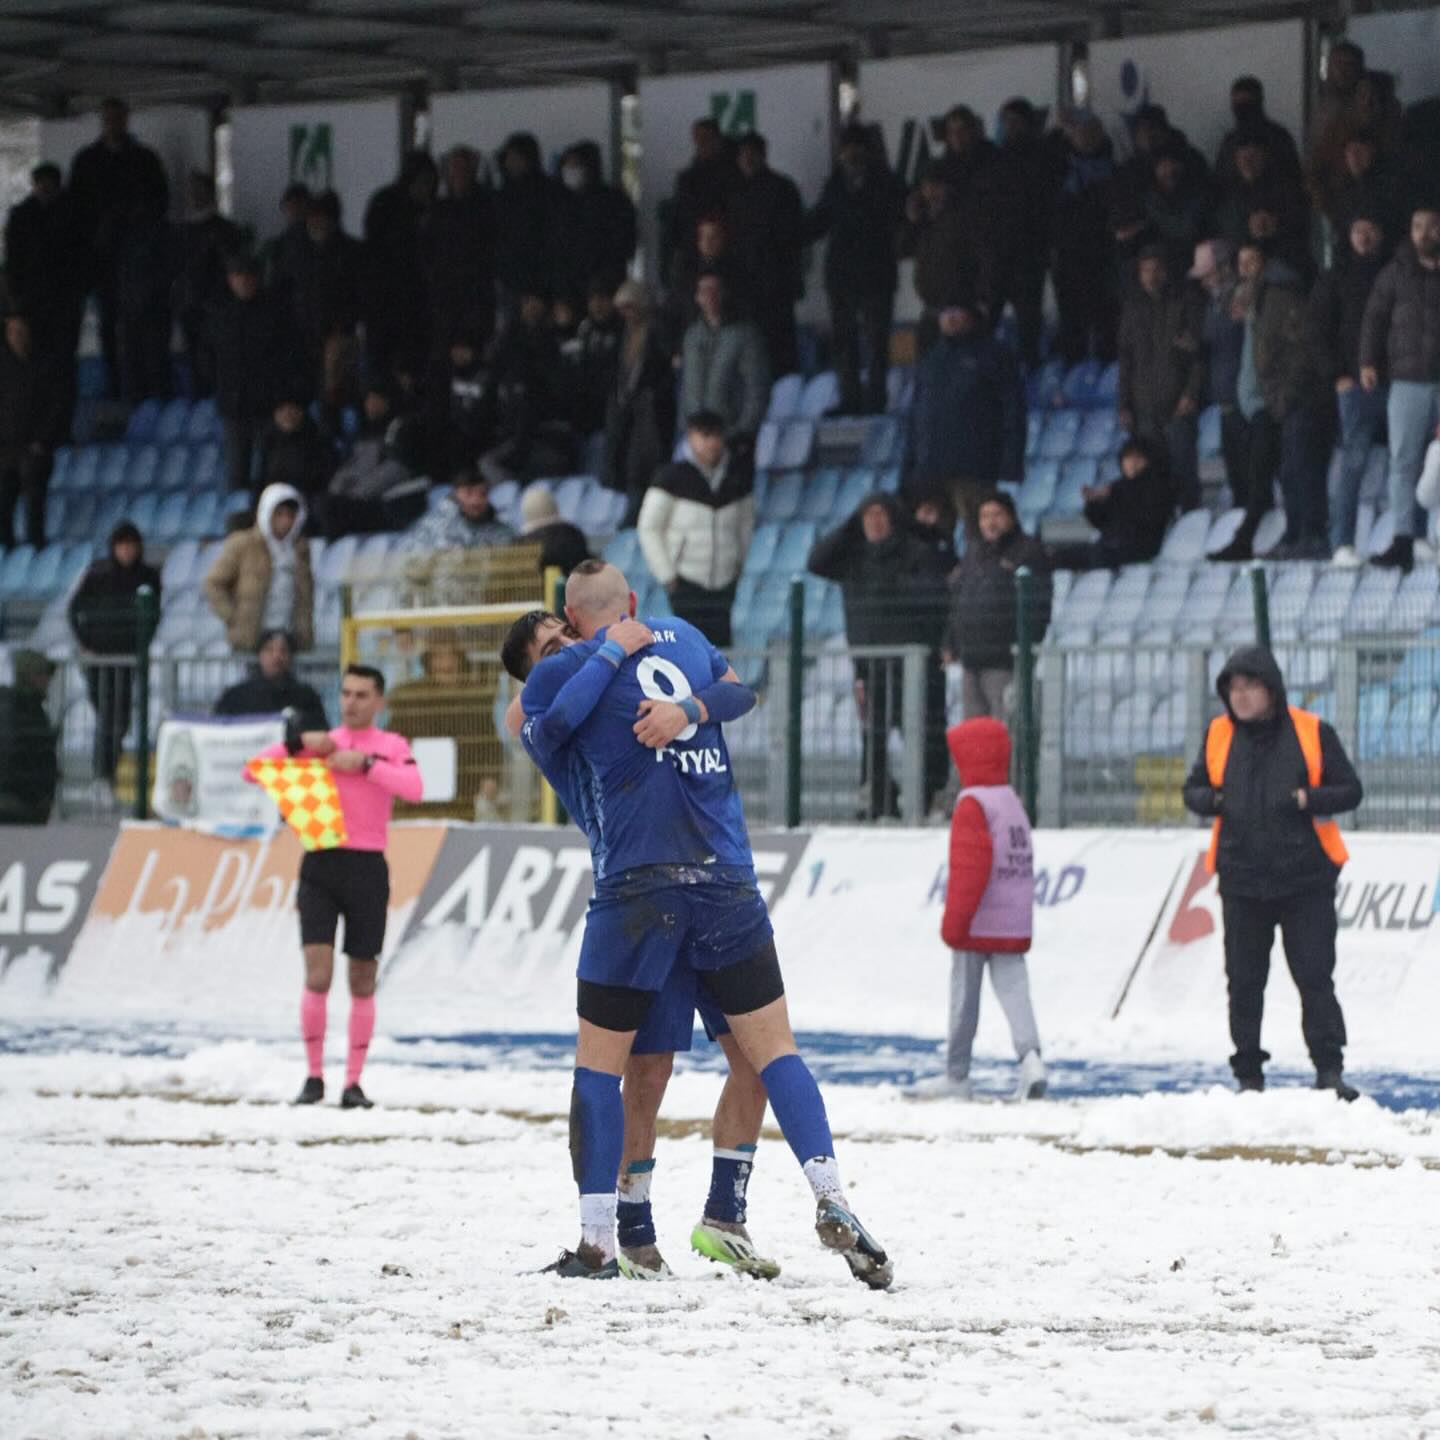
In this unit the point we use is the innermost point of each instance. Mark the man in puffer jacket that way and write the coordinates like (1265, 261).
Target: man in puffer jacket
(989, 901)
(695, 526)
(261, 579)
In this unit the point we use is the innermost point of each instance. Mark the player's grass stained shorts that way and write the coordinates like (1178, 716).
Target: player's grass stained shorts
(353, 884)
(670, 1025)
(645, 923)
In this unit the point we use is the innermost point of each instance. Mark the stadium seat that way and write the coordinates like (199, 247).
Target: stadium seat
(793, 549)
(1329, 602)
(143, 511)
(110, 510)
(170, 518)
(623, 550)
(170, 423)
(568, 495)
(203, 422)
(762, 547)
(900, 388)
(1042, 386)
(785, 397)
(1062, 431)
(1411, 719)
(84, 469)
(1042, 477)
(601, 510)
(1185, 544)
(767, 441)
(55, 514)
(1420, 664)
(797, 440)
(202, 516)
(1209, 433)
(1369, 610)
(1081, 382)
(783, 494)
(80, 518)
(1272, 528)
(888, 480)
(338, 556)
(236, 503)
(143, 420)
(1125, 601)
(883, 441)
(1376, 703)
(1107, 389)
(1097, 438)
(857, 484)
(1291, 586)
(821, 393)
(179, 567)
(110, 466)
(208, 467)
(43, 578)
(14, 569)
(174, 468)
(1414, 605)
(142, 468)
(1382, 532)
(1075, 476)
(1034, 429)
(819, 495)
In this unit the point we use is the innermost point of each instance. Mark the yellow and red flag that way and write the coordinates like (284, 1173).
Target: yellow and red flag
(308, 800)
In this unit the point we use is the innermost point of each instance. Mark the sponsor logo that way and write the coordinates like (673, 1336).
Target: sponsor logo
(312, 155)
(735, 111)
(45, 895)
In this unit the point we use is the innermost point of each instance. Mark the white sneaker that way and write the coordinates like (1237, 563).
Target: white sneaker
(1424, 552)
(1346, 558)
(1032, 1083)
(940, 1087)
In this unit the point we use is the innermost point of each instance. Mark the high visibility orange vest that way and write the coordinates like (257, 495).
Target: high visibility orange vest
(1307, 729)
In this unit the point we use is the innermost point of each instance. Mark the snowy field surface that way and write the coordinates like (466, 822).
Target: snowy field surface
(187, 1256)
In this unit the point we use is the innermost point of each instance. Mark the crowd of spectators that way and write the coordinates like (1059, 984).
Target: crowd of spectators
(481, 329)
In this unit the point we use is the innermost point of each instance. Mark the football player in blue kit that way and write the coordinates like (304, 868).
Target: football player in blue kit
(674, 883)
(721, 1234)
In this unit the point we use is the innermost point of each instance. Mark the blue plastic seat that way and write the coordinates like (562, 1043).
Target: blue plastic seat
(1209, 439)
(783, 494)
(207, 469)
(113, 462)
(797, 440)
(143, 420)
(1062, 431)
(1081, 382)
(80, 518)
(785, 396)
(1107, 389)
(170, 518)
(142, 468)
(170, 423)
(767, 442)
(1075, 475)
(622, 551)
(60, 468)
(762, 548)
(568, 495)
(110, 510)
(817, 499)
(14, 569)
(1042, 478)
(1097, 439)
(900, 388)
(794, 549)
(144, 511)
(203, 422)
(55, 514)
(1034, 428)
(882, 441)
(43, 577)
(174, 469)
(85, 468)
(821, 393)
(857, 484)
(1042, 386)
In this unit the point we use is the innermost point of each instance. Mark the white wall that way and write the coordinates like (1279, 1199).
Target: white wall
(1189, 73)
(557, 115)
(364, 154)
(179, 134)
(1407, 44)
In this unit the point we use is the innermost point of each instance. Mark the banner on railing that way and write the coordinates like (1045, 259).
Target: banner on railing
(485, 923)
(199, 780)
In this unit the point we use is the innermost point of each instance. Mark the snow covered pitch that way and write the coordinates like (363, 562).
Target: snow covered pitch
(184, 1255)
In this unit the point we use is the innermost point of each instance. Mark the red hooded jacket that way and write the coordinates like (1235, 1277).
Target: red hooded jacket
(980, 749)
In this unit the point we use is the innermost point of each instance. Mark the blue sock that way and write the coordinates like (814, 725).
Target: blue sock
(597, 1130)
(795, 1099)
(633, 1218)
(729, 1175)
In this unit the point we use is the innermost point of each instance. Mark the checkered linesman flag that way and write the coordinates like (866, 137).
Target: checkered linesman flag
(308, 800)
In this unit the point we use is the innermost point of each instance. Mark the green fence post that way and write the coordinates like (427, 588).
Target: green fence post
(1261, 594)
(147, 618)
(1025, 686)
(794, 702)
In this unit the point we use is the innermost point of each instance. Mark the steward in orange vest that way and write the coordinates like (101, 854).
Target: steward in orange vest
(1271, 777)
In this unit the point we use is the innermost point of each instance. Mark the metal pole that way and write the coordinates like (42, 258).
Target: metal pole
(912, 727)
(794, 702)
(1261, 595)
(146, 620)
(1025, 686)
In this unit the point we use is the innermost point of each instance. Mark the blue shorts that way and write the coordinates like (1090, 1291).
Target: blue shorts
(670, 1025)
(651, 921)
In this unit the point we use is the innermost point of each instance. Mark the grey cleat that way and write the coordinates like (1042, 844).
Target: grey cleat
(839, 1230)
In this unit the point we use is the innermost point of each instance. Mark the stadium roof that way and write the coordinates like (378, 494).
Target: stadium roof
(63, 55)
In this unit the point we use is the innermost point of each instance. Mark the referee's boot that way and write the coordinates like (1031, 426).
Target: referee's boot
(312, 1092)
(354, 1098)
(839, 1230)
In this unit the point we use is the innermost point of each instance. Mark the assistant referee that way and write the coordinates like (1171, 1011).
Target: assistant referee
(372, 769)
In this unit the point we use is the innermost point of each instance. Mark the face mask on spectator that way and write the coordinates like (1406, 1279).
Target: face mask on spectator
(573, 176)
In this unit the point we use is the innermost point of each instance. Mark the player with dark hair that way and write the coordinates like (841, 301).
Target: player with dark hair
(372, 768)
(674, 885)
(722, 1234)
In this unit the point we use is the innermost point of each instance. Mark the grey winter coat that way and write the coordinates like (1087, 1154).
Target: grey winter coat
(726, 370)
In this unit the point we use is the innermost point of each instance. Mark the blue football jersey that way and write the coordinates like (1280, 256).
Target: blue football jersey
(676, 806)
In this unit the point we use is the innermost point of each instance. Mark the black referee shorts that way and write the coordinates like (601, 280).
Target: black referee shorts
(349, 884)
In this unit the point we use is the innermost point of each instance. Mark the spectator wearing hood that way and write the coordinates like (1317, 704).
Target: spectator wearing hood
(892, 583)
(1086, 281)
(696, 524)
(1400, 342)
(458, 412)
(1162, 369)
(293, 451)
(397, 307)
(1222, 337)
(29, 769)
(104, 616)
(981, 633)
(562, 545)
(600, 223)
(376, 487)
(640, 410)
(1337, 312)
(1272, 778)
(1277, 396)
(257, 364)
(966, 429)
(261, 579)
(724, 368)
(766, 217)
(1247, 106)
(272, 686)
(530, 209)
(859, 214)
(1131, 512)
(989, 905)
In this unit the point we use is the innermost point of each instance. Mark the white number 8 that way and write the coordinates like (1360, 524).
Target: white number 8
(648, 672)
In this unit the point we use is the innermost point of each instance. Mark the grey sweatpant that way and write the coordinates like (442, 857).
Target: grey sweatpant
(1012, 989)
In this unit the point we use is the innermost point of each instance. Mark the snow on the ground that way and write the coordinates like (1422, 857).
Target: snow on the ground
(184, 1256)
